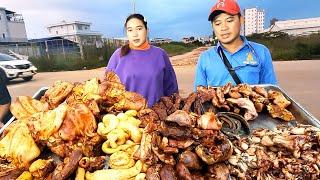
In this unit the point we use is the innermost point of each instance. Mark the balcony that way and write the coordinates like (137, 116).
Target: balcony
(15, 18)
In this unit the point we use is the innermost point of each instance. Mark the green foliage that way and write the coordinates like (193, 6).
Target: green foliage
(285, 47)
(176, 48)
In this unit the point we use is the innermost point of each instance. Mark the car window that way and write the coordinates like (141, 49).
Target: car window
(4, 57)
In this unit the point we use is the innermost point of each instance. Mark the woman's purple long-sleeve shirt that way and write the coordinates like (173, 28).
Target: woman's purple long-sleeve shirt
(147, 72)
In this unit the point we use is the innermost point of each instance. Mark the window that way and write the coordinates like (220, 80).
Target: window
(56, 32)
(79, 27)
(3, 35)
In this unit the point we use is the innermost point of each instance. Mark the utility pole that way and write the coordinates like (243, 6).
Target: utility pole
(134, 6)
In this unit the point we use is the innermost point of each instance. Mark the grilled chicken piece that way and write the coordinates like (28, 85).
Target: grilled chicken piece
(218, 149)
(160, 109)
(209, 121)
(261, 91)
(87, 93)
(182, 118)
(189, 101)
(111, 89)
(190, 160)
(220, 95)
(153, 172)
(182, 144)
(245, 103)
(277, 112)
(79, 122)
(245, 89)
(174, 131)
(92, 163)
(167, 172)
(147, 116)
(234, 92)
(183, 172)
(131, 101)
(226, 88)
(278, 99)
(219, 171)
(57, 93)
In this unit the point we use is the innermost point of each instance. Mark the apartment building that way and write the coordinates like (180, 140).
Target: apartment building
(76, 31)
(12, 27)
(253, 21)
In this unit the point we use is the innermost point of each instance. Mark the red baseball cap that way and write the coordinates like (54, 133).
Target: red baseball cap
(228, 6)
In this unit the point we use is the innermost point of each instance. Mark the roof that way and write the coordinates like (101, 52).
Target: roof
(66, 23)
(7, 11)
(46, 39)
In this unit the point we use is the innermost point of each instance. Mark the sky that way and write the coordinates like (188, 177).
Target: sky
(166, 18)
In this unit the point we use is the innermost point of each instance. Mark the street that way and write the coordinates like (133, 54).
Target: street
(300, 79)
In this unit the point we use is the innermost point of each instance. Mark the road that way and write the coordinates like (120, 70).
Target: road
(300, 79)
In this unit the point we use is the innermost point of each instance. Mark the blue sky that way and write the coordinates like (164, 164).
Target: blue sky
(166, 18)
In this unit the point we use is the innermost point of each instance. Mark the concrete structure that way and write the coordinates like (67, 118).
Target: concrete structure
(297, 27)
(76, 31)
(12, 27)
(187, 40)
(253, 21)
(160, 40)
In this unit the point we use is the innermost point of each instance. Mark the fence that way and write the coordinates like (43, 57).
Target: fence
(39, 48)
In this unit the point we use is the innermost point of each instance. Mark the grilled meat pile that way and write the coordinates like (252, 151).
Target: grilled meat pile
(178, 138)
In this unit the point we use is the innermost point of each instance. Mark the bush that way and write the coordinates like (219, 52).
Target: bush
(285, 47)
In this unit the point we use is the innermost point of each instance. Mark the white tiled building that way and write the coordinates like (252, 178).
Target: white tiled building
(12, 27)
(253, 20)
(297, 27)
(76, 31)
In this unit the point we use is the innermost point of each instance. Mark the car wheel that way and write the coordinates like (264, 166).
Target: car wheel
(3, 77)
(27, 78)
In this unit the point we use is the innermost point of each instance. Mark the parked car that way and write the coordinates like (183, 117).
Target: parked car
(12, 68)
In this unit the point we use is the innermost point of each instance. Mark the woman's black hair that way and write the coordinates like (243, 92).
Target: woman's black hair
(126, 49)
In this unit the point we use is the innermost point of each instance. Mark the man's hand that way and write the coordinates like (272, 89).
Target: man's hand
(1, 125)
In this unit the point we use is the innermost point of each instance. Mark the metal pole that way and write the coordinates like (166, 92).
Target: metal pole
(134, 6)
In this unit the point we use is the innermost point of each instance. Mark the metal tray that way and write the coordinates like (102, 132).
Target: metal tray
(302, 116)
(264, 120)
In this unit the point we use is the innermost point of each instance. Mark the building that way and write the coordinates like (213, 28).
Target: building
(297, 27)
(12, 27)
(76, 31)
(188, 40)
(253, 21)
(160, 40)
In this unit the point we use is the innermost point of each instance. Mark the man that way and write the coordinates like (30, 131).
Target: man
(234, 59)
(5, 101)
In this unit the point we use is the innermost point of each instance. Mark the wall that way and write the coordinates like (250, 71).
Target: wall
(17, 32)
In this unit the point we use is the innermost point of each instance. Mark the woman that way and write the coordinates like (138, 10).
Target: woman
(143, 68)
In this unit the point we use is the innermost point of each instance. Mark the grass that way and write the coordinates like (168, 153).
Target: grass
(176, 48)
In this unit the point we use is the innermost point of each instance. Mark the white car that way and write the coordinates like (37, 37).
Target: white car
(12, 68)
